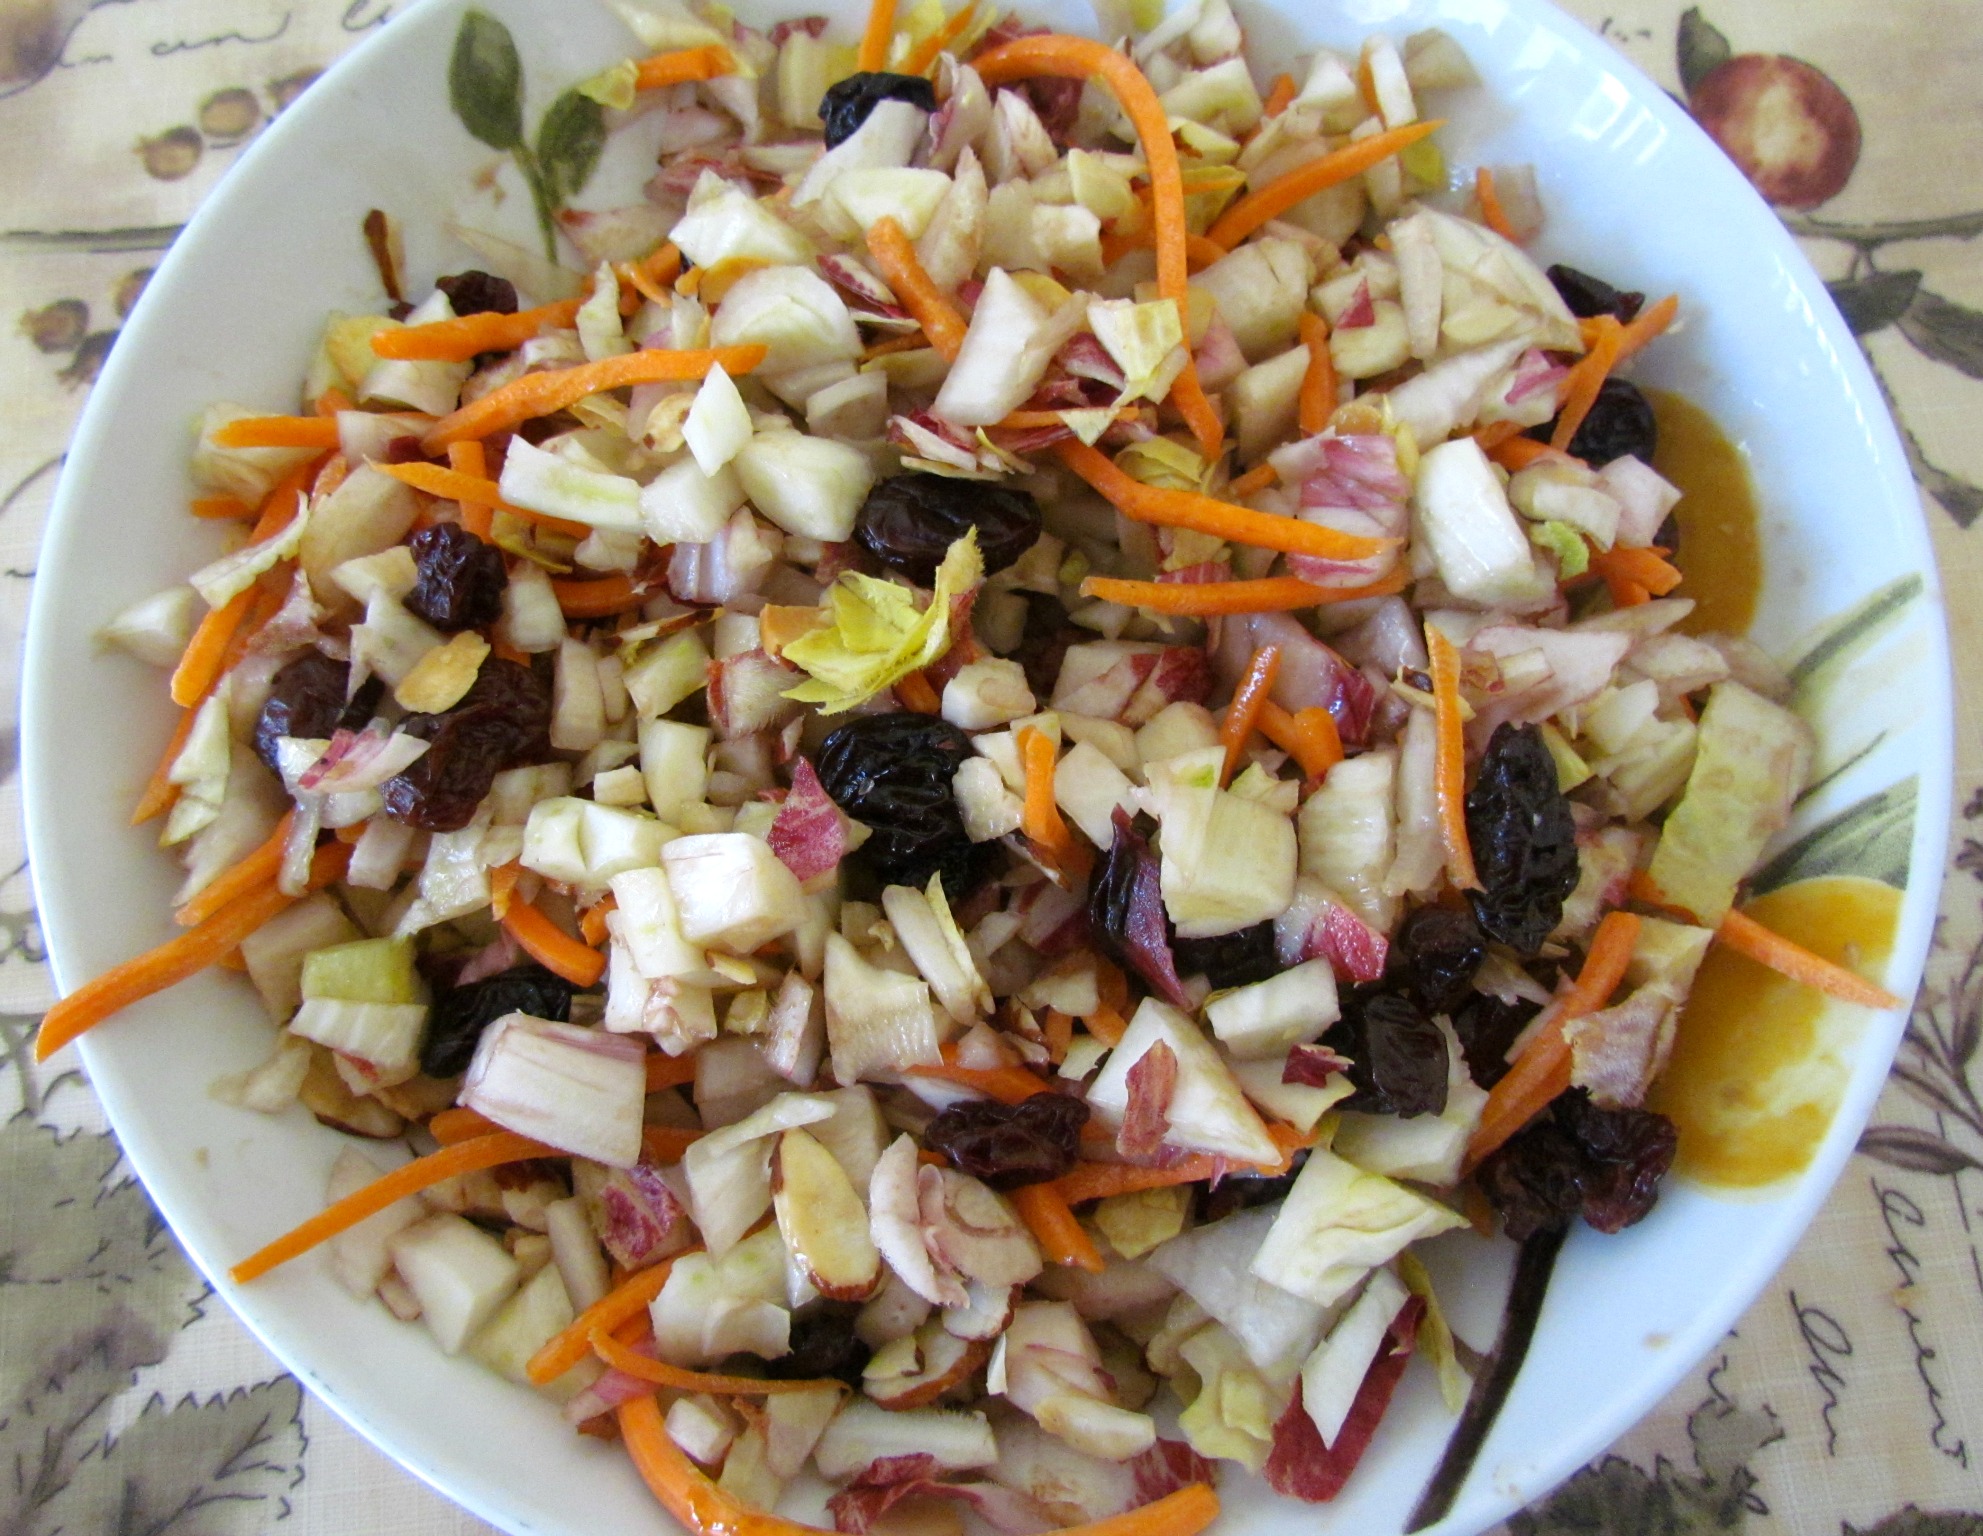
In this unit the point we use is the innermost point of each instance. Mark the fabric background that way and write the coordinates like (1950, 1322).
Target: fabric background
(1849, 1399)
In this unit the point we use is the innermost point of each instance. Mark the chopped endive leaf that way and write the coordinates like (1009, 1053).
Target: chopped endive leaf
(1090, 424)
(1573, 555)
(1424, 164)
(1146, 342)
(1435, 1334)
(531, 541)
(1168, 465)
(231, 575)
(877, 636)
(614, 87)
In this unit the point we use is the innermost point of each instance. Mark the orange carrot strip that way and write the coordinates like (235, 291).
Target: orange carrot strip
(1492, 214)
(479, 490)
(666, 1143)
(1648, 323)
(551, 947)
(599, 598)
(647, 1368)
(333, 400)
(1097, 1181)
(878, 36)
(629, 1298)
(665, 1071)
(592, 921)
(915, 341)
(1581, 384)
(471, 459)
(1640, 887)
(1107, 1025)
(915, 693)
(458, 1124)
(1304, 181)
(1542, 1071)
(681, 66)
(1317, 401)
(1496, 433)
(159, 791)
(220, 508)
(278, 432)
(1022, 421)
(1057, 1029)
(1009, 1085)
(1041, 820)
(1646, 569)
(542, 394)
(1515, 453)
(1243, 714)
(457, 341)
(1053, 1225)
(257, 869)
(1450, 765)
(1188, 509)
(927, 50)
(200, 665)
(1258, 478)
(502, 888)
(650, 276)
(1751, 939)
(1267, 594)
(490, 1151)
(1279, 94)
(895, 253)
(1189, 396)
(176, 959)
(1309, 736)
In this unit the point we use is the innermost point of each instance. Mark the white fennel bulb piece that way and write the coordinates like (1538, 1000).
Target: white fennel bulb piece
(580, 1090)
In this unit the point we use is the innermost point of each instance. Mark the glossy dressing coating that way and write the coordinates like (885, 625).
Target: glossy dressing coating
(1721, 551)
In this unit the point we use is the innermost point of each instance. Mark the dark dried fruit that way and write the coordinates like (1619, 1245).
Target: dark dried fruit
(1231, 959)
(1126, 916)
(1435, 955)
(461, 579)
(478, 293)
(847, 104)
(1044, 642)
(893, 772)
(1524, 842)
(1009, 1145)
(1488, 1028)
(824, 1345)
(460, 1014)
(501, 722)
(307, 698)
(1589, 297)
(1398, 1056)
(909, 521)
(1578, 1159)
(1235, 1193)
(1620, 422)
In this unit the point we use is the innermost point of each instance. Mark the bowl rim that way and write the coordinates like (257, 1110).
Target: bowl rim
(40, 700)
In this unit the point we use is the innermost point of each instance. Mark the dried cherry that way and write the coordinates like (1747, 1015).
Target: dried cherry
(893, 772)
(1580, 1160)
(1589, 297)
(1235, 1193)
(1620, 421)
(307, 698)
(847, 104)
(909, 521)
(1524, 841)
(1009, 1145)
(501, 722)
(1043, 643)
(460, 579)
(1398, 1057)
(824, 1345)
(478, 293)
(1126, 916)
(1435, 955)
(1488, 1029)
(460, 1014)
(1231, 959)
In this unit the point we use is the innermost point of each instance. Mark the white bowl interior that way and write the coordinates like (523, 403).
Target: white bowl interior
(1635, 191)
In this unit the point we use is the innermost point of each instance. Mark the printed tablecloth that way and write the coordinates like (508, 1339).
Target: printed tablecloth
(1848, 1400)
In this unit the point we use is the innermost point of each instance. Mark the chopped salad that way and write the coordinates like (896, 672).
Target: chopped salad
(958, 790)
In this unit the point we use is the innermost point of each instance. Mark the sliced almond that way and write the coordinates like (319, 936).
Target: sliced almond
(915, 1372)
(985, 1317)
(1101, 1429)
(822, 1219)
(970, 1227)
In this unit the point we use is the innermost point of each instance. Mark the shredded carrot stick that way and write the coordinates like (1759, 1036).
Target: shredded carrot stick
(1304, 181)
(257, 869)
(1492, 214)
(682, 66)
(490, 1151)
(1199, 253)
(599, 598)
(895, 253)
(333, 400)
(1640, 887)
(926, 51)
(1645, 570)
(650, 276)
(666, 1143)
(1279, 94)
(573, 1343)
(1542, 1071)
(592, 921)
(176, 959)
(647, 1368)
(1188, 509)
(278, 432)
(1309, 736)
(1496, 433)
(1078, 58)
(542, 394)
(471, 460)
(1009, 1085)
(1258, 478)
(449, 1126)
(665, 1071)
(878, 37)
(915, 341)
(457, 341)
(1586, 377)
(502, 888)
(1243, 714)
(1022, 421)
(200, 665)
(1751, 939)
(1450, 765)
(1097, 1181)
(1518, 452)
(220, 508)
(479, 490)
(1649, 322)
(159, 791)
(915, 693)
(1267, 594)
(551, 947)
(1057, 1029)
(1053, 1225)
(1317, 401)
(1041, 819)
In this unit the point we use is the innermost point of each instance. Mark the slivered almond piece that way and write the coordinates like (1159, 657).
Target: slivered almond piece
(822, 1219)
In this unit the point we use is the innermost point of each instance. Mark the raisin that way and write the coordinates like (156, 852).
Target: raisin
(1488, 1029)
(847, 104)
(460, 1014)
(1234, 1193)
(1620, 422)
(1126, 916)
(1580, 1160)
(501, 722)
(307, 698)
(1009, 1145)
(1524, 841)
(909, 521)
(1044, 642)
(1435, 955)
(1589, 297)
(824, 1345)
(479, 293)
(1535, 1182)
(1231, 959)
(893, 772)
(1398, 1056)
(461, 579)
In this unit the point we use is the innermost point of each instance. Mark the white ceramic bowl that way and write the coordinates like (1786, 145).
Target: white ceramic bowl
(1634, 190)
